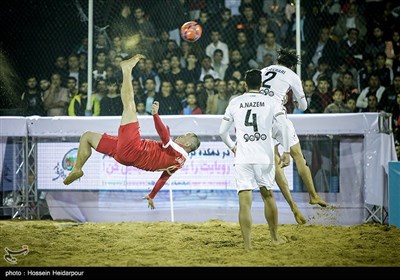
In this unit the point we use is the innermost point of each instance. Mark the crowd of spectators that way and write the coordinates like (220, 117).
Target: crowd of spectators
(350, 53)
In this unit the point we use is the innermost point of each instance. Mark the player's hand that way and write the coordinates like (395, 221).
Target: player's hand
(154, 107)
(284, 159)
(150, 201)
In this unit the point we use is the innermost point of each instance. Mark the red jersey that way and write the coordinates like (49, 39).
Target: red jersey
(150, 155)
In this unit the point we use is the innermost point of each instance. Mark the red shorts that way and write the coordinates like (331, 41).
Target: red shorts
(126, 147)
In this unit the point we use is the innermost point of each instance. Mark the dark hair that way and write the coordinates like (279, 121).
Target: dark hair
(253, 79)
(288, 57)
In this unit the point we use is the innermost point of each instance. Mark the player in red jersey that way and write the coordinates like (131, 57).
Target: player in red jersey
(129, 148)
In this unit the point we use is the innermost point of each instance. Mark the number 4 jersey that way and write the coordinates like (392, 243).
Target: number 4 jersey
(252, 115)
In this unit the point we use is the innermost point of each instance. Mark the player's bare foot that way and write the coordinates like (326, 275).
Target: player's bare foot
(130, 63)
(319, 201)
(299, 217)
(280, 240)
(74, 175)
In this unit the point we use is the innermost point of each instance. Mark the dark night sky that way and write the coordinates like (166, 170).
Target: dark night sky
(33, 32)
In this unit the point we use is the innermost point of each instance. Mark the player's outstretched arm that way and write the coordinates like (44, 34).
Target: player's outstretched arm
(157, 187)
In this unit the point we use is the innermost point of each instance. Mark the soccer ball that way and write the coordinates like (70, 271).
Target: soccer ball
(191, 31)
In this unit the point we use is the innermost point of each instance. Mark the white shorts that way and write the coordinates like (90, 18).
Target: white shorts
(277, 135)
(252, 176)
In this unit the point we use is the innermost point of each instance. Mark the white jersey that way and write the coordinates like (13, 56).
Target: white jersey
(252, 115)
(277, 80)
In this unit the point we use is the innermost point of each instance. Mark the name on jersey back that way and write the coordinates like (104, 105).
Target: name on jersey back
(252, 104)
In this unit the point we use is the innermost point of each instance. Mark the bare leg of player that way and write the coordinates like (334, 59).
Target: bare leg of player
(88, 141)
(127, 95)
(284, 187)
(305, 175)
(271, 215)
(245, 219)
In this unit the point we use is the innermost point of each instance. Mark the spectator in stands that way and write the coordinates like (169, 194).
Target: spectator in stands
(111, 104)
(144, 27)
(351, 48)
(246, 49)
(264, 24)
(215, 44)
(193, 68)
(207, 26)
(232, 86)
(180, 91)
(191, 107)
(352, 20)
(140, 108)
(247, 21)
(374, 88)
(206, 92)
(338, 105)
(44, 85)
(149, 72)
(170, 16)
(322, 97)
(341, 68)
(118, 45)
(169, 102)
(32, 98)
(324, 68)
(100, 86)
(372, 104)
(206, 69)
(217, 63)
(217, 103)
(309, 91)
(347, 84)
(61, 68)
(123, 24)
(269, 46)
(177, 72)
(395, 110)
(325, 46)
(78, 104)
(190, 88)
(351, 103)
(389, 98)
(56, 98)
(226, 26)
(74, 69)
(99, 66)
(72, 87)
(165, 70)
(365, 72)
(236, 64)
(149, 94)
(376, 43)
(384, 71)
(101, 44)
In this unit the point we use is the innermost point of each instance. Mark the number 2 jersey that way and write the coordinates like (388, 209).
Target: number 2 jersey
(277, 80)
(252, 116)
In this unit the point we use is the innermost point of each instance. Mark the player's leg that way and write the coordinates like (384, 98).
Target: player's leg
(245, 218)
(271, 215)
(305, 174)
(127, 94)
(283, 185)
(87, 141)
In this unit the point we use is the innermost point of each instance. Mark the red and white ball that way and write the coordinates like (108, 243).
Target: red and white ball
(191, 31)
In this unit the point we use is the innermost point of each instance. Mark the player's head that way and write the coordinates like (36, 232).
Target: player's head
(253, 79)
(190, 141)
(288, 57)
